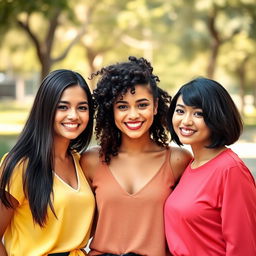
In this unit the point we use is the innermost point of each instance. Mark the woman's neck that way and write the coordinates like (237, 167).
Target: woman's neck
(61, 148)
(202, 155)
(139, 145)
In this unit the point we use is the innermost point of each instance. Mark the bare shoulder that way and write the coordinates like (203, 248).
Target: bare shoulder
(89, 161)
(179, 159)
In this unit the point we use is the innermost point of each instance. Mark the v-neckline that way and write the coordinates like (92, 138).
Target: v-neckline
(77, 177)
(108, 170)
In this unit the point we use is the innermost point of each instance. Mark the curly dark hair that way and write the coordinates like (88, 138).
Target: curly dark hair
(115, 80)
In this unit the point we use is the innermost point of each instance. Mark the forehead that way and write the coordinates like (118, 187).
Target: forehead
(140, 91)
(74, 92)
(181, 102)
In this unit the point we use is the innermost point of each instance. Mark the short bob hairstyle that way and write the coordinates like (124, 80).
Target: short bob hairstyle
(115, 81)
(219, 111)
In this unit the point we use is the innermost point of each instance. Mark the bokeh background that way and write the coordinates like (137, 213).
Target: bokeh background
(183, 39)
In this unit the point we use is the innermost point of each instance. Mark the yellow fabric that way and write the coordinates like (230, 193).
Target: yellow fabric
(69, 232)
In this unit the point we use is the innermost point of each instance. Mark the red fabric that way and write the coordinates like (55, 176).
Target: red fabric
(212, 211)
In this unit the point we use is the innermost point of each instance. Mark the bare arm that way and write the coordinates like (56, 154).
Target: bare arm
(6, 217)
(89, 161)
(179, 159)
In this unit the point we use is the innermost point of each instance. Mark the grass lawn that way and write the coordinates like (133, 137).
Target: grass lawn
(6, 143)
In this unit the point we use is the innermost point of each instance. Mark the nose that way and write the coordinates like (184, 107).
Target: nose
(72, 114)
(133, 113)
(187, 119)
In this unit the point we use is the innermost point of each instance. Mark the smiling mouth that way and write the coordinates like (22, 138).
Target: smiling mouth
(133, 125)
(69, 125)
(186, 131)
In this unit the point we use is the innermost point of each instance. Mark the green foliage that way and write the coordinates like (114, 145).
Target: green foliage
(173, 35)
(10, 10)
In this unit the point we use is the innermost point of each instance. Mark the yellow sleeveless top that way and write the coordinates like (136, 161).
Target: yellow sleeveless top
(70, 231)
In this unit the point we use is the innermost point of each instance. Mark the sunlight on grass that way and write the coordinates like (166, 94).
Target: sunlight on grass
(250, 119)
(13, 117)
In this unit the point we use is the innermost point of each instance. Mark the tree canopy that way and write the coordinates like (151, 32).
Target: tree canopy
(182, 38)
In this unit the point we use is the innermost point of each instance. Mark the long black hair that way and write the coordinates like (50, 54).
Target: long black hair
(115, 80)
(34, 146)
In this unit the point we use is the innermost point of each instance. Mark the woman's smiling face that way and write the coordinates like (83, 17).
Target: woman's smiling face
(134, 112)
(189, 125)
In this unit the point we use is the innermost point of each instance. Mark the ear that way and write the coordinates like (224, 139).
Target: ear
(155, 106)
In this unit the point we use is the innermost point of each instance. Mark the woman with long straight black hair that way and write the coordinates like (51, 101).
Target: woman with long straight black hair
(46, 204)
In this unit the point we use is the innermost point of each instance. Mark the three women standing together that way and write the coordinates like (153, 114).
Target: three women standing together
(45, 197)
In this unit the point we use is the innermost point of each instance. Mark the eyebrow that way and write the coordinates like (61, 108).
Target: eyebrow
(183, 106)
(125, 102)
(67, 102)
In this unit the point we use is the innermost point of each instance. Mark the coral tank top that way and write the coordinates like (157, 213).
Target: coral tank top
(131, 222)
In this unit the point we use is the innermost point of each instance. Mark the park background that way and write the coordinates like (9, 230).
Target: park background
(183, 39)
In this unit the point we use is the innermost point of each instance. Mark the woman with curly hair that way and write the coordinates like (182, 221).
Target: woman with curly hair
(134, 170)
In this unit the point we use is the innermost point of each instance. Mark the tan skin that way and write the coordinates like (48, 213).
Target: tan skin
(72, 108)
(139, 158)
(189, 125)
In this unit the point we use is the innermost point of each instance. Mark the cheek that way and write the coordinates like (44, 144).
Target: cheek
(149, 113)
(58, 117)
(118, 115)
(175, 121)
(85, 118)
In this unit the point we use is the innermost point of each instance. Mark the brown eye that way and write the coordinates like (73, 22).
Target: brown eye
(143, 105)
(122, 107)
(83, 108)
(62, 107)
(199, 114)
(179, 111)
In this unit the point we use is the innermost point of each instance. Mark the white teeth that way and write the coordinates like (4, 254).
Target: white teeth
(133, 125)
(71, 125)
(186, 131)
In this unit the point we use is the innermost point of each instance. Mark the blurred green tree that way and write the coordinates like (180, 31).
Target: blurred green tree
(53, 14)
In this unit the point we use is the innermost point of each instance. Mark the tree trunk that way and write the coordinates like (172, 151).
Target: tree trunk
(241, 72)
(213, 59)
(46, 65)
(216, 42)
(91, 55)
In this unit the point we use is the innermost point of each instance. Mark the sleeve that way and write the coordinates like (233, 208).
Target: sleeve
(2, 160)
(16, 181)
(238, 212)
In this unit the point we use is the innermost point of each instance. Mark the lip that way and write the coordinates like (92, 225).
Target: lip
(70, 126)
(186, 132)
(134, 125)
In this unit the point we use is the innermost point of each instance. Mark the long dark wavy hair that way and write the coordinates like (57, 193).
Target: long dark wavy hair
(35, 144)
(115, 80)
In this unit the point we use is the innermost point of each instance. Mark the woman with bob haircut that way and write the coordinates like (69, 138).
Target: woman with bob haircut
(212, 211)
(134, 170)
(47, 205)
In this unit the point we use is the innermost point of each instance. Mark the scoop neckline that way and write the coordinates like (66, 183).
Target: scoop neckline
(207, 163)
